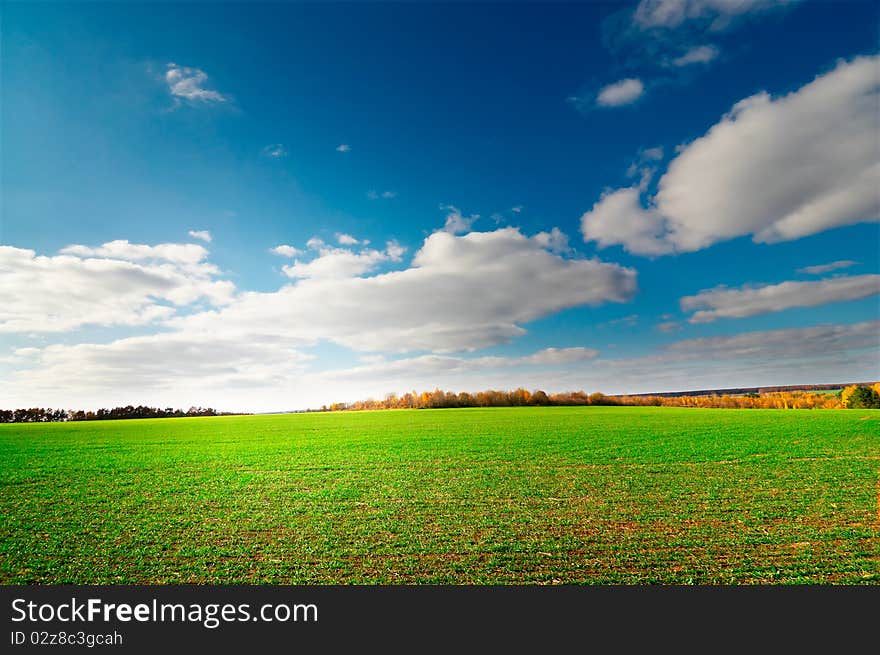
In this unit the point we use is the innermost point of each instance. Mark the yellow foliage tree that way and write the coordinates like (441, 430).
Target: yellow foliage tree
(846, 394)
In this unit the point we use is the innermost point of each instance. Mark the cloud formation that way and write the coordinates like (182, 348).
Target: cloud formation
(714, 14)
(456, 222)
(118, 283)
(286, 251)
(623, 92)
(722, 302)
(746, 175)
(555, 241)
(343, 262)
(459, 293)
(701, 54)
(819, 269)
(189, 84)
(202, 235)
(346, 239)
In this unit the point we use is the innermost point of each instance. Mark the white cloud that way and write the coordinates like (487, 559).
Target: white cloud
(162, 368)
(118, 283)
(343, 262)
(286, 251)
(275, 151)
(176, 253)
(555, 241)
(343, 147)
(189, 83)
(619, 218)
(460, 293)
(517, 209)
(620, 93)
(827, 268)
(778, 169)
(717, 14)
(204, 235)
(701, 54)
(456, 222)
(557, 356)
(750, 301)
(346, 239)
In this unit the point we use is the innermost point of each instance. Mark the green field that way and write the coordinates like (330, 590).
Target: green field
(474, 496)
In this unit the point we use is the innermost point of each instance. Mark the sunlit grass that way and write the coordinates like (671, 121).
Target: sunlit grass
(519, 495)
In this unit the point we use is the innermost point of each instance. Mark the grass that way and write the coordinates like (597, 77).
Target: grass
(471, 496)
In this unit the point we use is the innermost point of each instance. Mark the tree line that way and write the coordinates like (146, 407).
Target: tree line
(851, 397)
(49, 415)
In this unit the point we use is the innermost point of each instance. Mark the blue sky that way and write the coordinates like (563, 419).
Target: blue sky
(608, 196)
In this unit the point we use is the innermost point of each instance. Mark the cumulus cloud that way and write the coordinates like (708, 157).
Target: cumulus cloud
(619, 218)
(343, 262)
(555, 240)
(460, 293)
(175, 253)
(778, 169)
(189, 84)
(346, 239)
(701, 54)
(286, 251)
(203, 235)
(819, 269)
(620, 93)
(722, 302)
(343, 147)
(456, 222)
(118, 283)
